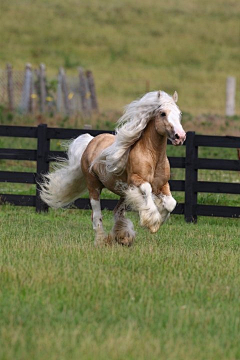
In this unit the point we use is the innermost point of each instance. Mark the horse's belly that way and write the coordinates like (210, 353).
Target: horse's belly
(116, 184)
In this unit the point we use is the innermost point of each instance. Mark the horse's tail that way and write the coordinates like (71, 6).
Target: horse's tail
(67, 182)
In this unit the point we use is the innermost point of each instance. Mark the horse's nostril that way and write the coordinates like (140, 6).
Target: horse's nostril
(177, 136)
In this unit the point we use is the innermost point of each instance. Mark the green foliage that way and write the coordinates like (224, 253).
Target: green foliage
(1, 114)
(51, 86)
(6, 117)
(70, 63)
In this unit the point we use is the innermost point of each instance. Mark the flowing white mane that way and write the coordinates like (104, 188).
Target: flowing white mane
(130, 127)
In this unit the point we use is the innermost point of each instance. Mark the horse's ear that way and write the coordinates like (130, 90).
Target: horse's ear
(159, 94)
(175, 96)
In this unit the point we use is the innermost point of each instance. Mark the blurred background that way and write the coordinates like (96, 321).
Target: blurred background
(131, 47)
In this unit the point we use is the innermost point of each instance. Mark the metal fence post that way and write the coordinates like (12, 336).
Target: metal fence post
(191, 176)
(43, 147)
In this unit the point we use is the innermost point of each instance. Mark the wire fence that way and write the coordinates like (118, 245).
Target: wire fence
(31, 91)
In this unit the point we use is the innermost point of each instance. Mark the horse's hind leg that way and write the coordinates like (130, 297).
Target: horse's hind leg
(94, 194)
(123, 231)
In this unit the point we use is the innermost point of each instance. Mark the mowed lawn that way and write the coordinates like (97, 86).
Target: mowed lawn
(173, 295)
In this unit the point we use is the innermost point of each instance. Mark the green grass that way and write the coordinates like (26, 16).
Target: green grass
(173, 295)
(181, 45)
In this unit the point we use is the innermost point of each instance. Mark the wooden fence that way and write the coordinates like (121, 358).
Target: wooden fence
(191, 162)
(30, 91)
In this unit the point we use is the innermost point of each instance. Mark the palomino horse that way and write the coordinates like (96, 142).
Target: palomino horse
(132, 164)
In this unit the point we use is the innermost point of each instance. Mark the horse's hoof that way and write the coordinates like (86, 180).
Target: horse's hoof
(151, 220)
(154, 229)
(169, 203)
(102, 239)
(105, 242)
(126, 241)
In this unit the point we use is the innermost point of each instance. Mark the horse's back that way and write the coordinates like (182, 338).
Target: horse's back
(95, 147)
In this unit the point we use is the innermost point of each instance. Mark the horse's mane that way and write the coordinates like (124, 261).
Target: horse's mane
(129, 129)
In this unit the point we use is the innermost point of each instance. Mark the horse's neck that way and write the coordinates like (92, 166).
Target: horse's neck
(153, 142)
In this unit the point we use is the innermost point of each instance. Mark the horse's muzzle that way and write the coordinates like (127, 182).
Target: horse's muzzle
(178, 138)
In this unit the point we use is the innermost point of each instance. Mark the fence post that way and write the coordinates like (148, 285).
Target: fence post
(59, 92)
(65, 91)
(10, 87)
(43, 147)
(84, 93)
(26, 94)
(42, 87)
(33, 95)
(191, 176)
(230, 95)
(91, 85)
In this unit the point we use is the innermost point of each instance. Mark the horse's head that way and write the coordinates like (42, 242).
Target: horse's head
(168, 118)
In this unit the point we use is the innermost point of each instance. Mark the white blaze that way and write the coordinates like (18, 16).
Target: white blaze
(174, 119)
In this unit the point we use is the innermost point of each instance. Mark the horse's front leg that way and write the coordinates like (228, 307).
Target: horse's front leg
(165, 202)
(139, 197)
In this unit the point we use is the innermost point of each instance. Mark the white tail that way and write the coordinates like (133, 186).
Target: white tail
(67, 183)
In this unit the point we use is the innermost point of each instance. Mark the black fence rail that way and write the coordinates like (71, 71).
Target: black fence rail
(191, 163)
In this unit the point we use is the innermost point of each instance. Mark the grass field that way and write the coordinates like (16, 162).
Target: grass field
(181, 45)
(173, 295)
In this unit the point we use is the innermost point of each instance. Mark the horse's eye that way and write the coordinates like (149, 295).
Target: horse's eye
(163, 114)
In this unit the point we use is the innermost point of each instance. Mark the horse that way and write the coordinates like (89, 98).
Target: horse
(132, 164)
